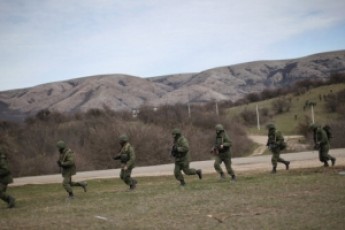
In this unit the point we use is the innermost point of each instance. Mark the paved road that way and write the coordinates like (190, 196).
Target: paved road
(307, 159)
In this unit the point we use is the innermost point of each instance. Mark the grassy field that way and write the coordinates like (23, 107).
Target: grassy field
(295, 199)
(288, 122)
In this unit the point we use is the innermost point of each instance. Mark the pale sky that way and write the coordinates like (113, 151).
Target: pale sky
(44, 41)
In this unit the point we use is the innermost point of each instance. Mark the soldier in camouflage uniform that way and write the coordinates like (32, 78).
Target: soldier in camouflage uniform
(322, 144)
(276, 144)
(180, 151)
(5, 179)
(127, 159)
(222, 152)
(68, 168)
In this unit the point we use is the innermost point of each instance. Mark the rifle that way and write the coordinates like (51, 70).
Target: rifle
(122, 159)
(215, 150)
(118, 157)
(173, 151)
(271, 146)
(59, 162)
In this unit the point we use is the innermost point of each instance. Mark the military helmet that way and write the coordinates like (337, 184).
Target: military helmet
(123, 138)
(61, 144)
(176, 131)
(271, 126)
(219, 127)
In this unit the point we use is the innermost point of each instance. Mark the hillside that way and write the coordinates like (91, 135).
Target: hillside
(288, 121)
(124, 92)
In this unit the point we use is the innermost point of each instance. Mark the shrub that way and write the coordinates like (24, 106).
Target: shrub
(249, 117)
(93, 136)
(281, 105)
(334, 102)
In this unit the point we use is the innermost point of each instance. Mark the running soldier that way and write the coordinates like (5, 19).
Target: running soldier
(5, 179)
(321, 143)
(180, 151)
(222, 152)
(68, 168)
(276, 144)
(127, 159)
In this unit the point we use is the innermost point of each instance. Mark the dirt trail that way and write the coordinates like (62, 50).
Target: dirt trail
(262, 140)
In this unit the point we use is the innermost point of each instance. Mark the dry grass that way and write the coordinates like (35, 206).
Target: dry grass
(298, 199)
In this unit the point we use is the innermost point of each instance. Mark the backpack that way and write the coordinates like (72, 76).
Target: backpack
(327, 129)
(283, 145)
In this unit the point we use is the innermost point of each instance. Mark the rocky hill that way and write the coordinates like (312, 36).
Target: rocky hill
(124, 92)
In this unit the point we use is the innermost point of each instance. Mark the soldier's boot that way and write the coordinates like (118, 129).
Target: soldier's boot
(199, 173)
(333, 161)
(274, 169)
(325, 164)
(11, 202)
(70, 196)
(84, 186)
(133, 186)
(222, 176)
(182, 183)
(287, 165)
(233, 178)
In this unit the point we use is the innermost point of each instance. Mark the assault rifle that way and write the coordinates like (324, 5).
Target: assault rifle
(215, 150)
(173, 151)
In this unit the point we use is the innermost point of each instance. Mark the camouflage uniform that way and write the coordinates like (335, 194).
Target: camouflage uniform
(67, 163)
(321, 142)
(276, 144)
(180, 151)
(222, 152)
(127, 159)
(5, 179)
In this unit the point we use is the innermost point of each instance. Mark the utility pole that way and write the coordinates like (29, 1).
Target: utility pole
(257, 117)
(189, 111)
(217, 110)
(312, 114)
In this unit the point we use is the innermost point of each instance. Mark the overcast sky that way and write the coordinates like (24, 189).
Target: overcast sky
(45, 41)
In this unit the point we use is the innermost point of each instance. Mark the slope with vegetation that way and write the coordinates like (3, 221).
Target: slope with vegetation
(293, 109)
(94, 137)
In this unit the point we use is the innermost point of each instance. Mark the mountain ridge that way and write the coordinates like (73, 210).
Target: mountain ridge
(126, 92)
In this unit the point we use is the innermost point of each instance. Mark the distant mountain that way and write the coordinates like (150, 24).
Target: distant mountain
(124, 92)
